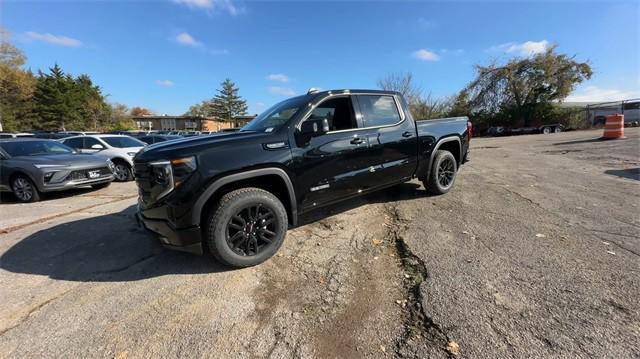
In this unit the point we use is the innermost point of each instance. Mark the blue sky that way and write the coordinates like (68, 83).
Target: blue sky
(168, 55)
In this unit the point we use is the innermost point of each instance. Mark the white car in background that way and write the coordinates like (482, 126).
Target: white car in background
(119, 149)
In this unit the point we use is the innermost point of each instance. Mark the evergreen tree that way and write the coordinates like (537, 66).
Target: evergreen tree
(50, 103)
(227, 103)
(64, 102)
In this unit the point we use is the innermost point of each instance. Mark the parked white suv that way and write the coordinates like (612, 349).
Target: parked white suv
(119, 148)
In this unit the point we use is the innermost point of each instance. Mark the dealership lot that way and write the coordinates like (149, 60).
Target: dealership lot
(534, 253)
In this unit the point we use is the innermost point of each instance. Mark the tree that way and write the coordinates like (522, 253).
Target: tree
(140, 111)
(199, 109)
(227, 103)
(16, 87)
(525, 88)
(119, 118)
(402, 83)
(429, 107)
(64, 102)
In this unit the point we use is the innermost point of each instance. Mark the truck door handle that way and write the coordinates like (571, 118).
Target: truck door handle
(357, 141)
(407, 134)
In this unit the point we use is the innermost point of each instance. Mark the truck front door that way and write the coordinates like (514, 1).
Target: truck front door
(332, 166)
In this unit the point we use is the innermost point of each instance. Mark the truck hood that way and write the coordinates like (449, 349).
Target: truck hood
(76, 159)
(194, 144)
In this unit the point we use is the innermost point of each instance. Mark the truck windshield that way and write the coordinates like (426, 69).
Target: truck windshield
(277, 115)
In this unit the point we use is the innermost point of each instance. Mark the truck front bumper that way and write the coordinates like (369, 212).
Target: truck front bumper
(183, 239)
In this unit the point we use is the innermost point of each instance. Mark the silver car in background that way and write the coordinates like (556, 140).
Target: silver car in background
(29, 167)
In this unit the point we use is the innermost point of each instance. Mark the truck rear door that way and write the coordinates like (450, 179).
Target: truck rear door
(392, 155)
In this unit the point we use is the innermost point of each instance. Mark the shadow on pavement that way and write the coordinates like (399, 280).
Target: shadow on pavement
(112, 248)
(105, 248)
(631, 173)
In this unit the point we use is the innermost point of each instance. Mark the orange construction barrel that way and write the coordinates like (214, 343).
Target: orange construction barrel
(614, 127)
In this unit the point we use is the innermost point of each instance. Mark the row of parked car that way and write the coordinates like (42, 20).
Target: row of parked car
(34, 163)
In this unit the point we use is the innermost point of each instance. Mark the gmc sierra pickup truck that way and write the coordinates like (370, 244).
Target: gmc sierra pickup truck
(235, 194)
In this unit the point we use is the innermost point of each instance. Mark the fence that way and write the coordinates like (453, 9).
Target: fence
(597, 113)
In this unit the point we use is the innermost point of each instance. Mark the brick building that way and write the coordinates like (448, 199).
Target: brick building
(188, 123)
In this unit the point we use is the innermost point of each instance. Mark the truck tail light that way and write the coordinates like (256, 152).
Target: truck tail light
(470, 129)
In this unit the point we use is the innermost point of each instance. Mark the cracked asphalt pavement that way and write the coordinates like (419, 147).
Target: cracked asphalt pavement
(533, 254)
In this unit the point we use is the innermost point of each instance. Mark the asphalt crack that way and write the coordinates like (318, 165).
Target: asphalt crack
(418, 322)
(25, 317)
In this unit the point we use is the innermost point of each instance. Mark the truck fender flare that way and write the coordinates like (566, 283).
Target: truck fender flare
(217, 184)
(437, 146)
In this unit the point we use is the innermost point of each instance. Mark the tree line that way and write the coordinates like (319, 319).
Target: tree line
(522, 92)
(53, 100)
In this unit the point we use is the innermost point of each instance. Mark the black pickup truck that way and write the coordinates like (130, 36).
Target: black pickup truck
(235, 194)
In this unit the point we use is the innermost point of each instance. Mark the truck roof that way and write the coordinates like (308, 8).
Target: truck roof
(313, 91)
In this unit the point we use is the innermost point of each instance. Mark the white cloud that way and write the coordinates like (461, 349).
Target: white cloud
(186, 39)
(165, 83)
(284, 91)
(527, 48)
(278, 77)
(597, 94)
(210, 5)
(426, 24)
(53, 39)
(426, 55)
(205, 4)
(219, 52)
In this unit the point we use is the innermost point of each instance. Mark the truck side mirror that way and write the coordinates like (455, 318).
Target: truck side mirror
(314, 128)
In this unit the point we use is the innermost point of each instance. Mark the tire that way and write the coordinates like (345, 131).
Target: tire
(24, 189)
(101, 185)
(546, 130)
(557, 129)
(122, 171)
(234, 234)
(443, 173)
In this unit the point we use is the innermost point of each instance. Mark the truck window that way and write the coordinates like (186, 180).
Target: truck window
(378, 110)
(339, 112)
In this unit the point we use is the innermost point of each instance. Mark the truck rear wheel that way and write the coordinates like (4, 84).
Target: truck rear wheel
(248, 227)
(443, 173)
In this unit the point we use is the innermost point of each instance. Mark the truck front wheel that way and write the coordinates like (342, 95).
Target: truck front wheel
(248, 227)
(443, 173)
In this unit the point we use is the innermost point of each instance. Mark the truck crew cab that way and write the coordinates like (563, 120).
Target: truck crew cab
(235, 194)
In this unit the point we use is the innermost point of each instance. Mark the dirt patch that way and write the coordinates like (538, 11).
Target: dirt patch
(335, 287)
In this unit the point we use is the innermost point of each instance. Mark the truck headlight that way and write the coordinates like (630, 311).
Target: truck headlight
(182, 169)
(169, 175)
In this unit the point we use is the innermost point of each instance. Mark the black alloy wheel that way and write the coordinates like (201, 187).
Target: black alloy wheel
(446, 172)
(246, 227)
(443, 173)
(252, 230)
